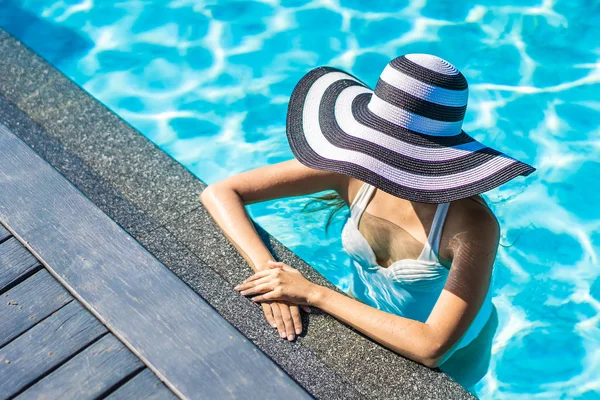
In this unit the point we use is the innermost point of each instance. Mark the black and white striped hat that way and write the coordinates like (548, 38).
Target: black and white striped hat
(404, 138)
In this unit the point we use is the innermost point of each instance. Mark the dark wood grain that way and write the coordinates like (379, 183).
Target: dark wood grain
(144, 385)
(15, 260)
(29, 302)
(46, 346)
(3, 233)
(184, 340)
(89, 374)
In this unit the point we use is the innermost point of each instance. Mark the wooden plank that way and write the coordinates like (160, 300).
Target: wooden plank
(29, 302)
(4, 234)
(46, 346)
(15, 261)
(174, 331)
(88, 374)
(144, 385)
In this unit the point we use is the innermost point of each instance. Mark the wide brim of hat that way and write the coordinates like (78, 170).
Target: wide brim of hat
(330, 127)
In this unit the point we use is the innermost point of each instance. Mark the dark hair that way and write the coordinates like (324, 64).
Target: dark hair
(329, 200)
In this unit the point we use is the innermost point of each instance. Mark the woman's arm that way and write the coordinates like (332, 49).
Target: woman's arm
(225, 200)
(457, 306)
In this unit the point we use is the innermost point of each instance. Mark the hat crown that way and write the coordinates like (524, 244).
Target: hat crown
(422, 92)
(433, 63)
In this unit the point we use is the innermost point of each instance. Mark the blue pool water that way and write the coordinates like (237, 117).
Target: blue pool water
(209, 82)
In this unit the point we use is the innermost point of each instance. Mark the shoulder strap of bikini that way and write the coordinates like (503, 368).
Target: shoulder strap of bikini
(361, 200)
(432, 246)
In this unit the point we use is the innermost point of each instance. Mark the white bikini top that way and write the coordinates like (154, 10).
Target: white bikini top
(423, 273)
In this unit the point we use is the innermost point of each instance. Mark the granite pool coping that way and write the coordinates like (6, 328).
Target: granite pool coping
(155, 199)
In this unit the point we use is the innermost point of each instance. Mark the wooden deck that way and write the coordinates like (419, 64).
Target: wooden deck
(86, 311)
(52, 347)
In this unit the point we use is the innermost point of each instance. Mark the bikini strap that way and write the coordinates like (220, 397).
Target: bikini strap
(432, 246)
(361, 200)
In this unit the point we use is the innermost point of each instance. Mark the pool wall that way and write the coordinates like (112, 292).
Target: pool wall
(155, 199)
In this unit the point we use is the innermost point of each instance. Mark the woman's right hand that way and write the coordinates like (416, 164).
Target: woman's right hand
(225, 201)
(286, 318)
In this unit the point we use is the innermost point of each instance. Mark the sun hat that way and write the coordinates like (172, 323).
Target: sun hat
(405, 137)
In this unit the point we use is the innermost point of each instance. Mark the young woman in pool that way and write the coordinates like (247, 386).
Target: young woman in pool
(398, 156)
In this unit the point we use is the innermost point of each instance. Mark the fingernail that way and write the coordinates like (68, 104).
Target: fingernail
(282, 334)
(290, 337)
(236, 287)
(273, 325)
(298, 331)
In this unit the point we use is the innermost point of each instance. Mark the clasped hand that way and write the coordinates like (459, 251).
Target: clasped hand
(280, 289)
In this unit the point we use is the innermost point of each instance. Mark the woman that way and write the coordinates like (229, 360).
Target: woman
(398, 156)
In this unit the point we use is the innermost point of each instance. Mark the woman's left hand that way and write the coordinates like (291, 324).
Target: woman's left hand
(279, 283)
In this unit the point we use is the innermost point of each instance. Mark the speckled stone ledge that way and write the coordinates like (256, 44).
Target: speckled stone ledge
(155, 199)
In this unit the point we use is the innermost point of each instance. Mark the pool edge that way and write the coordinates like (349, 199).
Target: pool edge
(155, 199)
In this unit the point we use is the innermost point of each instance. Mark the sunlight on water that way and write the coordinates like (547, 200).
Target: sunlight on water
(209, 81)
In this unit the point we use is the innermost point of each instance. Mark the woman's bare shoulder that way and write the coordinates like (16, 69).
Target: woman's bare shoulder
(469, 219)
(349, 188)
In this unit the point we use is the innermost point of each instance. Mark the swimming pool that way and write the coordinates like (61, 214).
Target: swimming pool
(209, 81)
